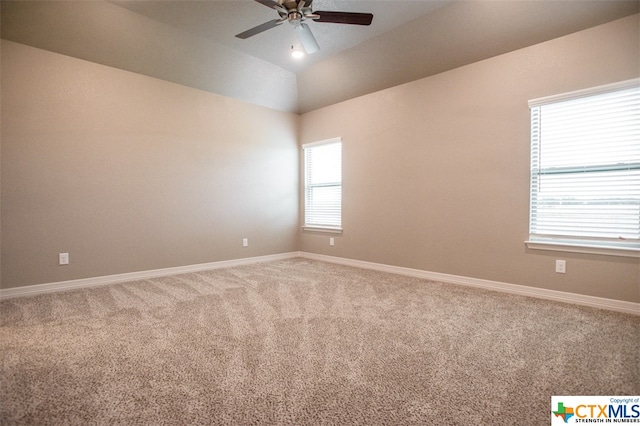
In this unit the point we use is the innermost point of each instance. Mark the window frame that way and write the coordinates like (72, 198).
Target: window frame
(564, 243)
(305, 188)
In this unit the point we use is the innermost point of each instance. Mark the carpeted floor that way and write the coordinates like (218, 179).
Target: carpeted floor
(304, 342)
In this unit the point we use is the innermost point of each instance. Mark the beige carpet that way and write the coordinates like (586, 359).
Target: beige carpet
(304, 342)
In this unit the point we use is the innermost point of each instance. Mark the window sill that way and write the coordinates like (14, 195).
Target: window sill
(326, 229)
(583, 248)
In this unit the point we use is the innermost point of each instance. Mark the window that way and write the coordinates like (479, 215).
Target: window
(585, 171)
(323, 185)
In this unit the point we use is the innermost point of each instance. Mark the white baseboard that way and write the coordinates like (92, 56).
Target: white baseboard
(540, 293)
(33, 290)
(560, 296)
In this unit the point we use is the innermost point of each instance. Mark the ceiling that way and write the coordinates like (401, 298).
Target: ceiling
(221, 20)
(192, 42)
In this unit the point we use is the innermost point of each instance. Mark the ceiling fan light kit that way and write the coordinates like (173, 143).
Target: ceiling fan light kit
(296, 53)
(296, 12)
(306, 38)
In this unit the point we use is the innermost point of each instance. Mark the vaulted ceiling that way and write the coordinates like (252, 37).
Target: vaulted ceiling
(192, 42)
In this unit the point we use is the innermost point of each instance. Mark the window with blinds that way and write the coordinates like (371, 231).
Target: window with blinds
(585, 169)
(323, 185)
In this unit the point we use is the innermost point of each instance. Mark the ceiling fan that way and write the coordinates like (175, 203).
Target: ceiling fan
(296, 12)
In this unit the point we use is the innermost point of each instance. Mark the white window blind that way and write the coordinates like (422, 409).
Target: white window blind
(323, 184)
(585, 168)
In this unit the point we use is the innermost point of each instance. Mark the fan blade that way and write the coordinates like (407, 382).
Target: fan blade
(260, 28)
(268, 3)
(352, 18)
(307, 39)
(273, 5)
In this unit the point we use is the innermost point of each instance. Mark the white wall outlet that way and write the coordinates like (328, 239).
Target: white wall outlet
(561, 266)
(245, 242)
(63, 258)
(332, 242)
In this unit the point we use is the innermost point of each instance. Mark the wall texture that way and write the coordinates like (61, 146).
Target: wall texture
(436, 172)
(130, 173)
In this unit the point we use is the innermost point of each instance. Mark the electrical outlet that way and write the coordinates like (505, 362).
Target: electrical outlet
(245, 242)
(561, 266)
(332, 242)
(63, 258)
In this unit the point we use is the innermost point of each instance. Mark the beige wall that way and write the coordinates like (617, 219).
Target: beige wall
(436, 172)
(0, 171)
(130, 173)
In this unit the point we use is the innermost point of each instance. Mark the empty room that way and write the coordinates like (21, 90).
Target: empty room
(292, 212)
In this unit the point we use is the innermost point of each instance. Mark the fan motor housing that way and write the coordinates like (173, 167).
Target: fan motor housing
(290, 4)
(294, 17)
